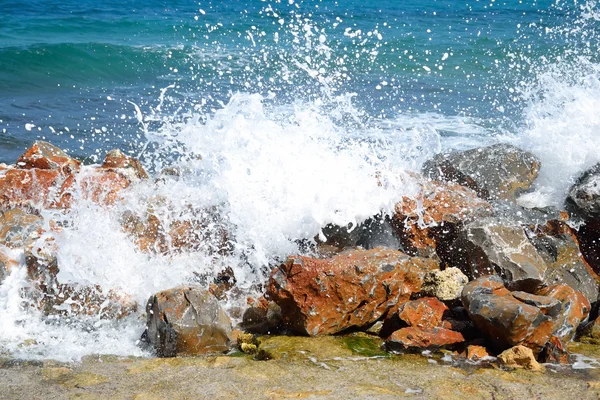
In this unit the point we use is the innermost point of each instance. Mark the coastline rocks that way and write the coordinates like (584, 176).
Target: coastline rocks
(475, 352)
(117, 160)
(352, 289)
(502, 318)
(519, 357)
(263, 317)
(412, 338)
(429, 218)
(500, 171)
(446, 285)
(186, 320)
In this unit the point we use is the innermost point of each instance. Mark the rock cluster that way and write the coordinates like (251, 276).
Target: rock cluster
(459, 266)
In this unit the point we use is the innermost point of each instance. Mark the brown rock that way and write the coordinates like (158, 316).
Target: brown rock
(412, 338)
(43, 155)
(503, 319)
(19, 229)
(352, 289)
(103, 186)
(427, 219)
(475, 352)
(186, 320)
(115, 159)
(519, 357)
(574, 309)
(33, 188)
(425, 313)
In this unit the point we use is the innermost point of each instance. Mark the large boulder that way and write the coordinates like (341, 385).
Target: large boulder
(43, 155)
(574, 309)
(506, 320)
(500, 171)
(186, 320)
(492, 246)
(429, 218)
(352, 289)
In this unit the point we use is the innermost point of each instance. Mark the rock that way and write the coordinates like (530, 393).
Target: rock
(424, 313)
(558, 246)
(492, 246)
(413, 338)
(373, 232)
(186, 320)
(149, 234)
(502, 318)
(594, 331)
(116, 160)
(574, 309)
(476, 353)
(588, 238)
(446, 285)
(262, 318)
(34, 188)
(555, 352)
(103, 186)
(500, 171)
(352, 289)
(43, 155)
(19, 229)
(583, 199)
(430, 218)
(519, 357)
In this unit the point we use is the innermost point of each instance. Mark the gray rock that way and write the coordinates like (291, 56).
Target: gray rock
(583, 199)
(500, 171)
(495, 246)
(186, 320)
(446, 285)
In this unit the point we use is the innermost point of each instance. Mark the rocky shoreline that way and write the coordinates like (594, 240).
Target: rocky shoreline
(459, 269)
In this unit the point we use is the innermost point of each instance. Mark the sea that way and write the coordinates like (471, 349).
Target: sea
(284, 115)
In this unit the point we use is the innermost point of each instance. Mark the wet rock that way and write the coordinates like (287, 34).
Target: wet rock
(555, 352)
(519, 357)
(373, 232)
(583, 199)
(446, 285)
(424, 313)
(588, 238)
(430, 218)
(148, 234)
(352, 289)
(43, 155)
(186, 320)
(413, 338)
(557, 244)
(492, 246)
(103, 186)
(34, 188)
(264, 317)
(500, 171)
(475, 352)
(502, 318)
(117, 160)
(574, 309)
(19, 229)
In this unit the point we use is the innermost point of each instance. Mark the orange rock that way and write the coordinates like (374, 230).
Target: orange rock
(475, 352)
(412, 338)
(352, 289)
(503, 319)
(574, 309)
(519, 357)
(18, 229)
(425, 313)
(34, 188)
(115, 159)
(103, 186)
(420, 220)
(43, 155)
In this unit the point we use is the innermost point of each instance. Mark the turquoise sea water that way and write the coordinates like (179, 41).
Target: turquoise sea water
(68, 71)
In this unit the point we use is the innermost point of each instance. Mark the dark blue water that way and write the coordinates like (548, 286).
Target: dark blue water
(69, 71)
